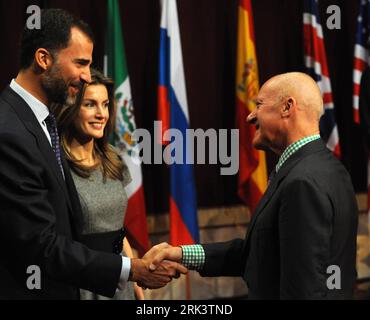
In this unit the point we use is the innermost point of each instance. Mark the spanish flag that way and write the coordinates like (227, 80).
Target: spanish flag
(252, 180)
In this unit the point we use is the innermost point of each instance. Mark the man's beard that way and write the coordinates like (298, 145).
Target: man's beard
(55, 88)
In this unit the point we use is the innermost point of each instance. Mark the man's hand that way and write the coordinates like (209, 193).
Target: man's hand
(164, 252)
(145, 278)
(161, 275)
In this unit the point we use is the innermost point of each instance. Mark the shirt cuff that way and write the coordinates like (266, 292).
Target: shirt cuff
(193, 257)
(125, 272)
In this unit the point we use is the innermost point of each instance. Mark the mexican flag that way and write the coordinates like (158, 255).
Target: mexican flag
(116, 68)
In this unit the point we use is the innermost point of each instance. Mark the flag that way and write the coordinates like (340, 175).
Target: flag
(360, 63)
(116, 67)
(317, 68)
(252, 181)
(361, 54)
(174, 113)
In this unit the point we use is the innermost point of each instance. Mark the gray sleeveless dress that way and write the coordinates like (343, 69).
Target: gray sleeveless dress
(103, 205)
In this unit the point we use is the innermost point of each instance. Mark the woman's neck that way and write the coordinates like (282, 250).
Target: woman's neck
(83, 152)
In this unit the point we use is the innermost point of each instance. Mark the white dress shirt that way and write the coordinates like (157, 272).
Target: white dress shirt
(38, 108)
(41, 112)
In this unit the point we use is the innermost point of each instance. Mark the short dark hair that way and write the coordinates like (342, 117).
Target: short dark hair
(54, 34)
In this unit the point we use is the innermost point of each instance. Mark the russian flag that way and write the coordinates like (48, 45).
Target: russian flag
(173, 112)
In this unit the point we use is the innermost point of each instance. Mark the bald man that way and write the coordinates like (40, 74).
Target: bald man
(301, 242)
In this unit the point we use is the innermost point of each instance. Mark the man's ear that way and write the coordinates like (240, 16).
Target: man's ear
(288, 107)
(43, 59)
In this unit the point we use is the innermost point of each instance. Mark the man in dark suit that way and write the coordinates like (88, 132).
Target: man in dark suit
(301, 242)
(39, 208)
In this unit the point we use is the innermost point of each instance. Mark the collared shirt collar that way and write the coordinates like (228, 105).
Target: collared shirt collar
(293, 148)
(40, 110)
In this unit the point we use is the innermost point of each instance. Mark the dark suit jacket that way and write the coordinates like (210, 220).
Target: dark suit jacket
(305, 222)
(39, 214)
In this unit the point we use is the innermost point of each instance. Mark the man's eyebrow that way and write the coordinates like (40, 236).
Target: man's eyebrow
(84, 62)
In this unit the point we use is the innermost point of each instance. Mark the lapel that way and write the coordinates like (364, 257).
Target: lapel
(73, 196)
(309, 148)
(29, 120)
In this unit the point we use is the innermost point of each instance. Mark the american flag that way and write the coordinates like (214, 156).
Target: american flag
(361, 62)
(361, 54)
(316, 65)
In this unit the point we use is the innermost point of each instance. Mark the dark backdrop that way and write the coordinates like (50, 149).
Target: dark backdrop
(208, 32)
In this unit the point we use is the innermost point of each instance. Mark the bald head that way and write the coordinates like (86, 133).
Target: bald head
(301, 87)
(288, 108)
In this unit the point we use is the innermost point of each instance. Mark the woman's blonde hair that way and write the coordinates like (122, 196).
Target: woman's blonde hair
(110, 163)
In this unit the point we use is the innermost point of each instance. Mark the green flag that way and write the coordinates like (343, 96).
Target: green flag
(116, 68)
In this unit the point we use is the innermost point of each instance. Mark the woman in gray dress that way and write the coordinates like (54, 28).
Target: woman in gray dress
(99, 173)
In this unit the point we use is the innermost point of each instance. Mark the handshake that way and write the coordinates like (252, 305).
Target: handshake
(158, 267)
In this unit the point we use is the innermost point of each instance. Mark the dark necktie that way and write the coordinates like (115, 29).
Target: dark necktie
(51, 124)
